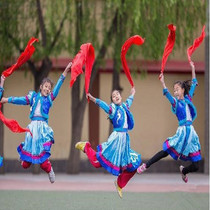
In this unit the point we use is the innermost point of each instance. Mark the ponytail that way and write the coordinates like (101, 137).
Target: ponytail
(184, 85)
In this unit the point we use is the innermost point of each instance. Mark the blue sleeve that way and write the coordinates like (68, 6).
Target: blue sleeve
(129, 101)
(23, 100)
(1, 92)
(57, 87)
(168, 95)
(193, 86)
(103, 105)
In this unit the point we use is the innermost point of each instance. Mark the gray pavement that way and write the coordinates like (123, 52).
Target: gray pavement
(147, 182)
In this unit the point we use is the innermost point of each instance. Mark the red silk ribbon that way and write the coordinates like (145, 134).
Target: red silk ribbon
(169, 45)
(86, 56)
(137, 40)
(196, 44)
(25, 56)
(13, 125)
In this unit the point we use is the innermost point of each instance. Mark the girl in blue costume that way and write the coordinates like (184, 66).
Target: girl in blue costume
(36, 148)
(115, 155)
(185, 143)
(1, 94)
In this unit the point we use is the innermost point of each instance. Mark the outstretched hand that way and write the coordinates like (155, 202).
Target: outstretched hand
(89, 96)
(4, 100)
(161, 78)
(192, 64)
(67, 69)
(2, 80)
(69, 66)
(133, 91)
(193, 69)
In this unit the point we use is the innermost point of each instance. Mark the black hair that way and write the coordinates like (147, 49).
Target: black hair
(113, 91)
(184, 85)
(112, 101)
(48, 80)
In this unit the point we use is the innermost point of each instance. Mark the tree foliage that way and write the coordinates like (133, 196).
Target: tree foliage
(149, 19)
(60, 30)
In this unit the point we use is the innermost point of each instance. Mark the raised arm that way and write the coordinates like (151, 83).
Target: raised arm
(161, 77)
(60, 81)
(194, 80)
(129, 100)
(166, 92)
(100, 103)
(193, 70)
(67, 69)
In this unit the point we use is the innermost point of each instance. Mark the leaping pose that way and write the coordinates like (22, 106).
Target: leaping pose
(36, 147)
(115, 155)
(185, 143)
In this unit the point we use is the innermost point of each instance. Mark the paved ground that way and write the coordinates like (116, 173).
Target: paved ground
(104, 182)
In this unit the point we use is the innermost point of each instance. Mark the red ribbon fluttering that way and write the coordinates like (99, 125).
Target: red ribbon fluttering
(25, 56)
(13, 125)
(196, 44)
(137, 40)
(169, 45)
(86, 56)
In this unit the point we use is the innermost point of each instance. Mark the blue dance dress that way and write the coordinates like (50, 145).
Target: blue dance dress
(36, 149)
(115, 155)
(185, 143)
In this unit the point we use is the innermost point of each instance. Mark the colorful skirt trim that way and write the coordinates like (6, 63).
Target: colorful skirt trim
(116, 170)
(194, 157)
(35, 159)
(36, 148)
(183, 145)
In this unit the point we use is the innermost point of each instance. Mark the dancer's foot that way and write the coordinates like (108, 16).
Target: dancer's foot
(51, 175)
(119, 190)
(184, 177)
(81, 145)
(141, 168)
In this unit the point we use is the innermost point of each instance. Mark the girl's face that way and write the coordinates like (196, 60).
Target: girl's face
(116, 97)
(178, 92)
(45, 89)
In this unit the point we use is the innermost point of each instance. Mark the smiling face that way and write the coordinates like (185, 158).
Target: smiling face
(178, 91)
(116, 97)
(45, 89)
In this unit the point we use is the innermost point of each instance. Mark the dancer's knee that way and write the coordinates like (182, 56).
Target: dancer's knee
(164, 153)
(196, 166)
(46, 166)
(25, 164)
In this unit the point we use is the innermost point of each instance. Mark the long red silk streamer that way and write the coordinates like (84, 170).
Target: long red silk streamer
(25, 56)
(86, 56)
(13, 125)
(169, 45)
(196, 44)
(137, 40)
